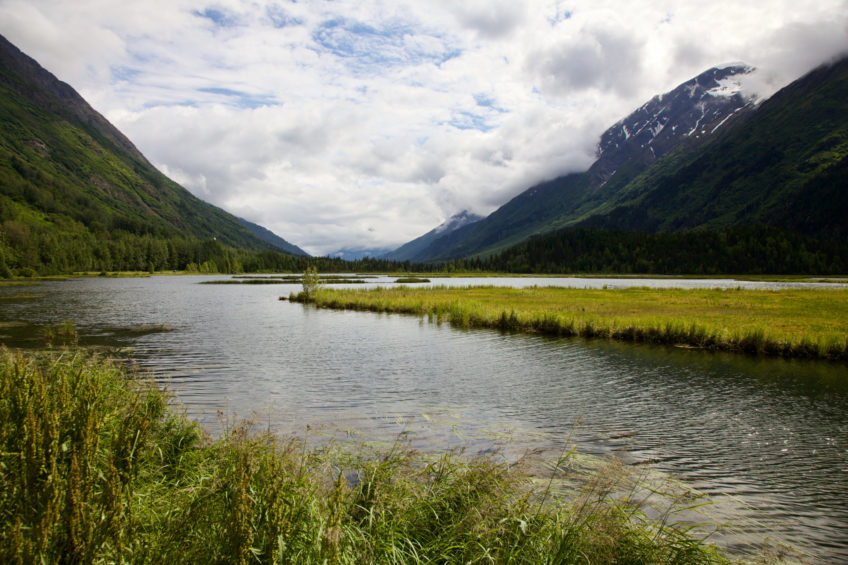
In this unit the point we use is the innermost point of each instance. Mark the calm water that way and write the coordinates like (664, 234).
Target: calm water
(766, 439)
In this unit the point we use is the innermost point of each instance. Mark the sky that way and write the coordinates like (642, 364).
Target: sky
(364, 124)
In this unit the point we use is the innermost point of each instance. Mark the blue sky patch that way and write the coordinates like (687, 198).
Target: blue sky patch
(122, 73)
(560, 16)
(364, 45)
(169, 103)
(280, 18)
(218, 17)
(468, 120)
(241, 99)
(449, 54)
(485, 101)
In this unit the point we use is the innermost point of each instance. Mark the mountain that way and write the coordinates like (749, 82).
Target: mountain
(76, 194)
(682, 120)
(410, 251)
(694, 110)
(786, 167)
(270, 237)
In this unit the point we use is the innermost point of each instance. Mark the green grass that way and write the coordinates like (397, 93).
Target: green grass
(809, 323)
(95, 468)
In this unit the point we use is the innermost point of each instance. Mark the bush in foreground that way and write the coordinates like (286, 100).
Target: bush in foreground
(95, 468)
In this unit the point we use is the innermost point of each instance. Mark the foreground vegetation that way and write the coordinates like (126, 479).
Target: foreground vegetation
(792, 322)
(95, 468)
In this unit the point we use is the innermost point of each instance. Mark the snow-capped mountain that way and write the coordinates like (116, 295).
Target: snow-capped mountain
(695, 109)
(689, 115)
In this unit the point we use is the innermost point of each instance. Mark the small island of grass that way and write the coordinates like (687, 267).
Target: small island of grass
(804, 323)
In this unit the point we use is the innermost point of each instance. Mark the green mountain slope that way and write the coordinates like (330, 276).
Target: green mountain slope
(71, 185)
(270, 237)
(532, 212)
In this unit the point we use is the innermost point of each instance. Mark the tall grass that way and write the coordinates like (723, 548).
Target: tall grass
(806, 323)
(95, 468)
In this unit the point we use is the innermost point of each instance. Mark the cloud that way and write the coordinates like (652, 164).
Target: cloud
(600, 58)
(794, 49)
(490, 19)
(364, 125)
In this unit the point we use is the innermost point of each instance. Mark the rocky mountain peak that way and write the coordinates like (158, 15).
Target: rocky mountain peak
(696, 109)
(457, 221)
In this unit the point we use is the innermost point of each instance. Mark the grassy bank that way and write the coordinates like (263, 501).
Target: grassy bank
(807, 323)
(95, 468)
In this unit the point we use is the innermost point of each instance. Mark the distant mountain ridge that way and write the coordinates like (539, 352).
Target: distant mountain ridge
(685, 118)
(410, 250)
(68, 177)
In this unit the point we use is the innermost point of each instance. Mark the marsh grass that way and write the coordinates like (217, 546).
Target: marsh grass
(804, 323)
(96, 468)
(64, 333)
(18, 282)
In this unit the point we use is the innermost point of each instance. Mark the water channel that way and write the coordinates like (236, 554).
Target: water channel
(765, 439)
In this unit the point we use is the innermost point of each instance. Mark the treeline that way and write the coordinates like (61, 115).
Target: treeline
(27, 250)
(738, 250)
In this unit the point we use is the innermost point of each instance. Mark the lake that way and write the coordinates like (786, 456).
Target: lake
(766, 439)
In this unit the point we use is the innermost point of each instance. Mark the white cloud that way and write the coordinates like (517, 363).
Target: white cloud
(490, 19)
(358, 125)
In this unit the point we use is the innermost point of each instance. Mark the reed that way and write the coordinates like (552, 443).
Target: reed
(804, 323)
(95, 468)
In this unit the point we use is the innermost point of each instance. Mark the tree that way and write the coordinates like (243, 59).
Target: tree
(311, 281)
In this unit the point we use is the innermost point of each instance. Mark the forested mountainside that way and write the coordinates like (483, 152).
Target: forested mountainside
(781, 164)
(75, 193)
(743, 250)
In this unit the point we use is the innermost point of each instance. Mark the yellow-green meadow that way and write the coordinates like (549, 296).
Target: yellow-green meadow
(810, 323)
